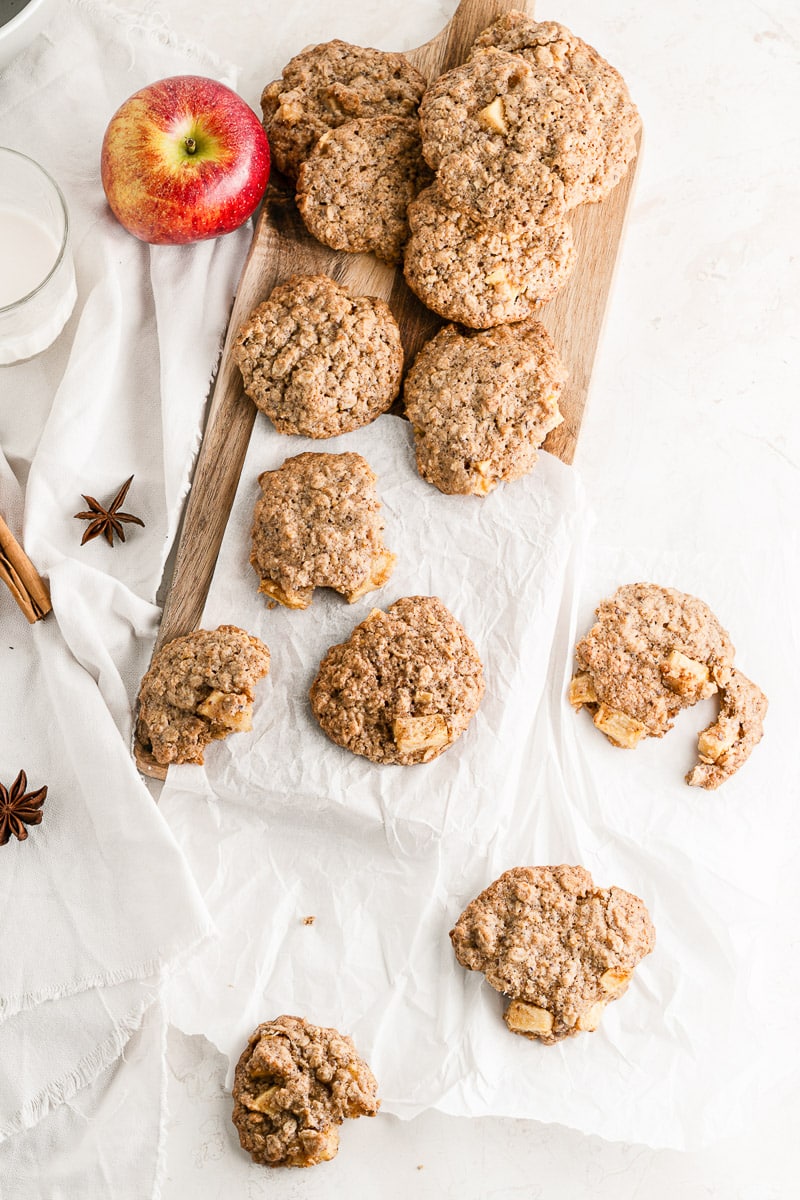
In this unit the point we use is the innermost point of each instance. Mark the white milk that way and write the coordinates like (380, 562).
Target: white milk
(28, 252)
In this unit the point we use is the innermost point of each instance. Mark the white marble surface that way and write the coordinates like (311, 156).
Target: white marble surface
(691, 444)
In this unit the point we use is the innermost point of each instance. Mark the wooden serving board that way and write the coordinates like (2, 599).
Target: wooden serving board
(282, 246)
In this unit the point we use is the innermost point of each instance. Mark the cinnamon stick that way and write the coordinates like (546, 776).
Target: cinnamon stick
(21, 577)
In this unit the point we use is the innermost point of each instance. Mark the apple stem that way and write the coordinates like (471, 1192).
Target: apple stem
(190, 144)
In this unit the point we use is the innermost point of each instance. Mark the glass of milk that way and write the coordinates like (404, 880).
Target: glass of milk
(37, 277)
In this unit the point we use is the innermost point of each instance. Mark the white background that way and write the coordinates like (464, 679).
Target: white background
(690, 445)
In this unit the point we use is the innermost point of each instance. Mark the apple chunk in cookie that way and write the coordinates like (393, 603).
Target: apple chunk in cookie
(318, 524)
(184, 159)
(654, 651)
(560, 948)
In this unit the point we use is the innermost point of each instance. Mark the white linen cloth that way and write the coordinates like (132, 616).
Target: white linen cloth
(97, 903)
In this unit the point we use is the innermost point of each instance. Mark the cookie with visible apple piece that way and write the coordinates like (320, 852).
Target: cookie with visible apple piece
(559, 947)
(318, 361)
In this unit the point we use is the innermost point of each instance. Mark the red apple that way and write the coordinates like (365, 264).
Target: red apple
(184, 159)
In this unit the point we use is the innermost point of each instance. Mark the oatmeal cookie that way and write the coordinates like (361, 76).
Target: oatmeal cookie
(403, 687)
(318, 361)
(480, 404)
(511, 145)
(324, 86)
(476, 275)
(294, 1085)
(355, 187)
(726, 744)
(549, 46)
(199, 688)
(318, 524)
(652, 652)
(559, 947)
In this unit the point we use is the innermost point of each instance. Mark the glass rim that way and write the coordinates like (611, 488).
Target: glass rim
(6, 308)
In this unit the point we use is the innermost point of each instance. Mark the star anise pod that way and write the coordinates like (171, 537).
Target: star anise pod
(18, 808)
(107, 521)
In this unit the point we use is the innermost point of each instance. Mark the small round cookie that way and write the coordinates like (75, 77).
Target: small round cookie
(199, 688)
(318, 524)
(403, 687)
(730, 740)
(294, 1085)
(323, 86)
(318, 361)
(355, 187)
(550, 46)
(481, 404)
(511, 145)
(476, 275)
(559, 947)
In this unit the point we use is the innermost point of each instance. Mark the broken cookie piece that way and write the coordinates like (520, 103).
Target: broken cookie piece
(726, 744)
(559, 947)
(318, 524)
(403, 687)
(295, 1083)
(199, 688)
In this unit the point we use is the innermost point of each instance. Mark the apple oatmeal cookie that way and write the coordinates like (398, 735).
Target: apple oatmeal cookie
(317, 524)
(403, 687)
(199, 688)
(318, 361)
(295, 1083)
(560, 948)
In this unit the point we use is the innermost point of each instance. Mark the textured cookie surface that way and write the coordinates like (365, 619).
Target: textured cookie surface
(510, 144)
(318, 524)
(294, 1085)
(403, 687)
(480, 405)
(354, 189)
(477, 275)
(199, 688)
(728, 742)
(324, 86)
(318, 361)
(559, 947)
(652, 652)
(549, 46)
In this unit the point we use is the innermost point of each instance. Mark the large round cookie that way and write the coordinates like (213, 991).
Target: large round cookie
(476, 275)
(294, 1085)
(200, 687)
(552, 47)
(323, 86)
(318, 524)
(318, 361)
(403, 687)
(355, 187)
(561, 948)
(481, 404)
(511, 145)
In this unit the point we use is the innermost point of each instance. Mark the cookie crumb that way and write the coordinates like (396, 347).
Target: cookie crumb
(309, 920)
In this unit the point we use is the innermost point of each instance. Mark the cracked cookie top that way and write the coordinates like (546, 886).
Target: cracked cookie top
(318, 361)
(294, 1085)
(558, 946)
(199, 688)
(317, 524)
(403, 687)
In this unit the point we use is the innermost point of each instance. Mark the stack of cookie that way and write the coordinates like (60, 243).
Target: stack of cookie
(342, 124)
(532, 125)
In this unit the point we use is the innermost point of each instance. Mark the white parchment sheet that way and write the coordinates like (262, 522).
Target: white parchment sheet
(281, 825)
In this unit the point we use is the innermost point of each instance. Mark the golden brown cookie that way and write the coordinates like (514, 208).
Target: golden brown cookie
(318, 361)
(317, 524)
(199, 688)
(403, 687)
(324, 86)
(481, 404)
(295, 1083)
(559, 947)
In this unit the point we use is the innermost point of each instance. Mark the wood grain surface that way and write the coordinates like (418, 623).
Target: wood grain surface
(282, 246)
